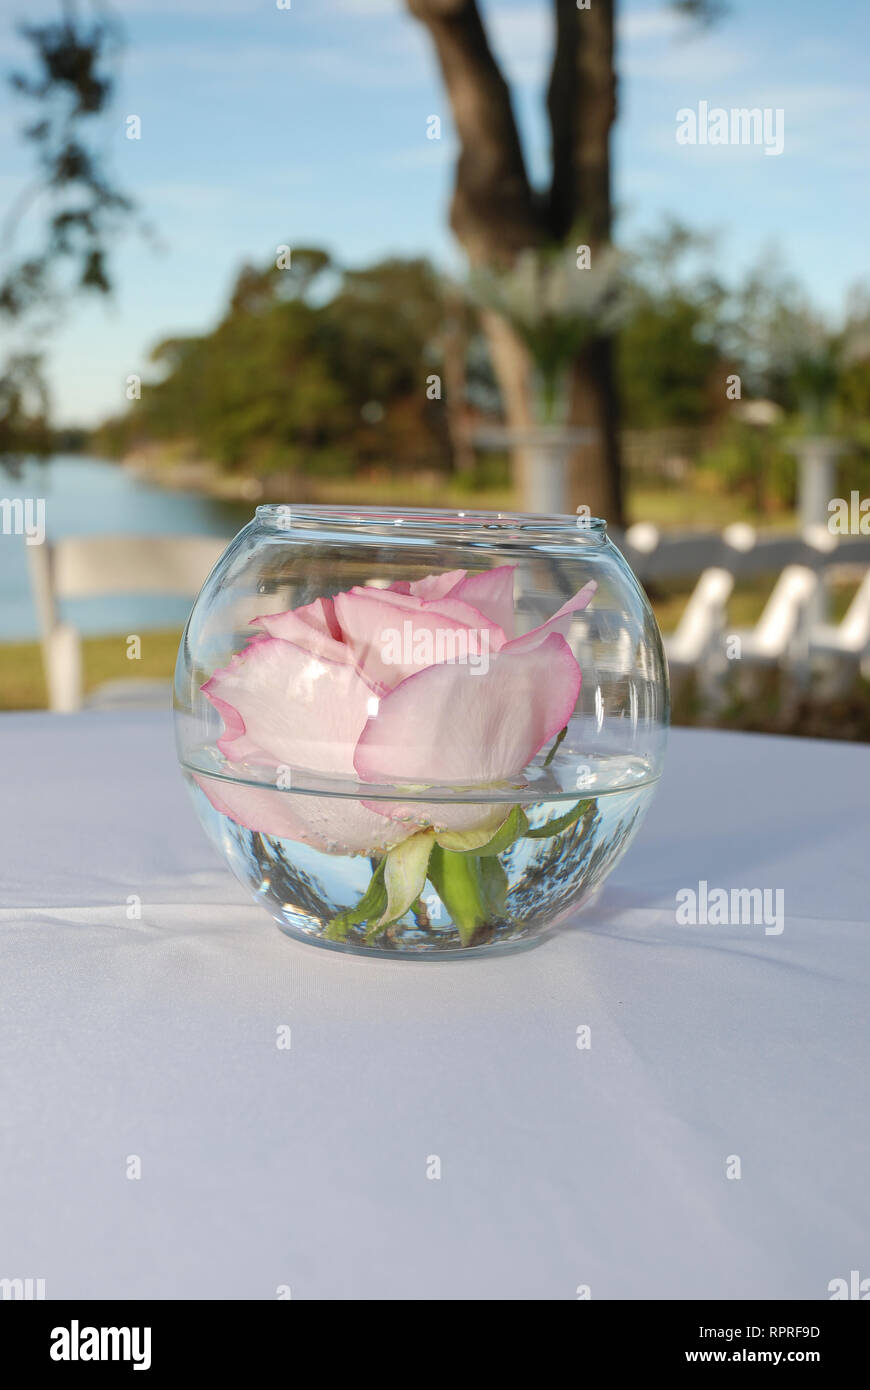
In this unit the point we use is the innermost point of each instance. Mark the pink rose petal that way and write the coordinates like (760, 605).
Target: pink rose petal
(320, 691)
(492, 594)
(435, 585)
(299, 709)
(445, 815)
(449, 607)
(449, 725)
(393, 635)
(313, 626)
(328, 823)
(559, 623)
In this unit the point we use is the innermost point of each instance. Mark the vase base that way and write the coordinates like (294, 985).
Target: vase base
(415, 953)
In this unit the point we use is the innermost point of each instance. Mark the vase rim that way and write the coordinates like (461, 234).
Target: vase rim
(455, 521)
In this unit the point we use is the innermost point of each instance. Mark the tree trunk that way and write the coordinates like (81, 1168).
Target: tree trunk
(513, 371)
(495, 214)
(493, 211)
(454, 350)
(596, 475)
(581, 102)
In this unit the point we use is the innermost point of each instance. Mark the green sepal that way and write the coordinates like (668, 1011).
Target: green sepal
(494, 881)
(371, 905)
(512, 828)
(405, 874)
(555, 827)
(458, 882)
(376, 929)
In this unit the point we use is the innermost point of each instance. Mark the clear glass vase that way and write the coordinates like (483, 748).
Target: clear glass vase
(421, 733)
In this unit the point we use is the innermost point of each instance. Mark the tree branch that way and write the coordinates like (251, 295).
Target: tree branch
(494, 212)
(581, 102)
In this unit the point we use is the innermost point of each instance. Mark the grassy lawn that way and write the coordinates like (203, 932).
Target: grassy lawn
(22, 685)
(746, 604)
(699, 508)
(690, 506)
(417, 490)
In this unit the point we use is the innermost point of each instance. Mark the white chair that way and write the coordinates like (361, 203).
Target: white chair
(702, 620)
(847, 646)
(91, 566)
(780, 638)
(782, 626)
(697, 644)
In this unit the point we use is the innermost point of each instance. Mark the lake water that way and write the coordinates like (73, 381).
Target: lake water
(87, 496)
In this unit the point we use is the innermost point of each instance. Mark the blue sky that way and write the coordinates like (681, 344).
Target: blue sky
(263, 126)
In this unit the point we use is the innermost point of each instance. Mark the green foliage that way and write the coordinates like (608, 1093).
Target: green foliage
(669, 357)
(369, 908)
(556, 308)
(667, 369)
(291, 381)
(758, 466)
(24, 425)
(70, 85)
(67, 88)
(318, 371)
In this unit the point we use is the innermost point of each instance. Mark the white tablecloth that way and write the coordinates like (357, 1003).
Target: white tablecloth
(307, 1168)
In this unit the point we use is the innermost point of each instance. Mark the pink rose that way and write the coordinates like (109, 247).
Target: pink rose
(419, 684)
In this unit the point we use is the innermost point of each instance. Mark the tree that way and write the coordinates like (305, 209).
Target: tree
(24, 425)
(298, 383)
(672, 369)
(71, 86)
(497, 215)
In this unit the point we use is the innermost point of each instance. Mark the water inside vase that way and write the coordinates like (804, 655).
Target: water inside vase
(579, 813)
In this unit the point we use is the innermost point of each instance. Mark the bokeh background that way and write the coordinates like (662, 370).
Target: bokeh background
(439, 252)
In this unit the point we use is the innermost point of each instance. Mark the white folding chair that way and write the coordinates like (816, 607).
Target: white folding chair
(779, 640)
(94, 566)
(782, 626)
(846, 646)
(702, 620)
(697, 644)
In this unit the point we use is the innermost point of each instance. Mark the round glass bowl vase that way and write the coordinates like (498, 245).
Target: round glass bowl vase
(421, 733)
